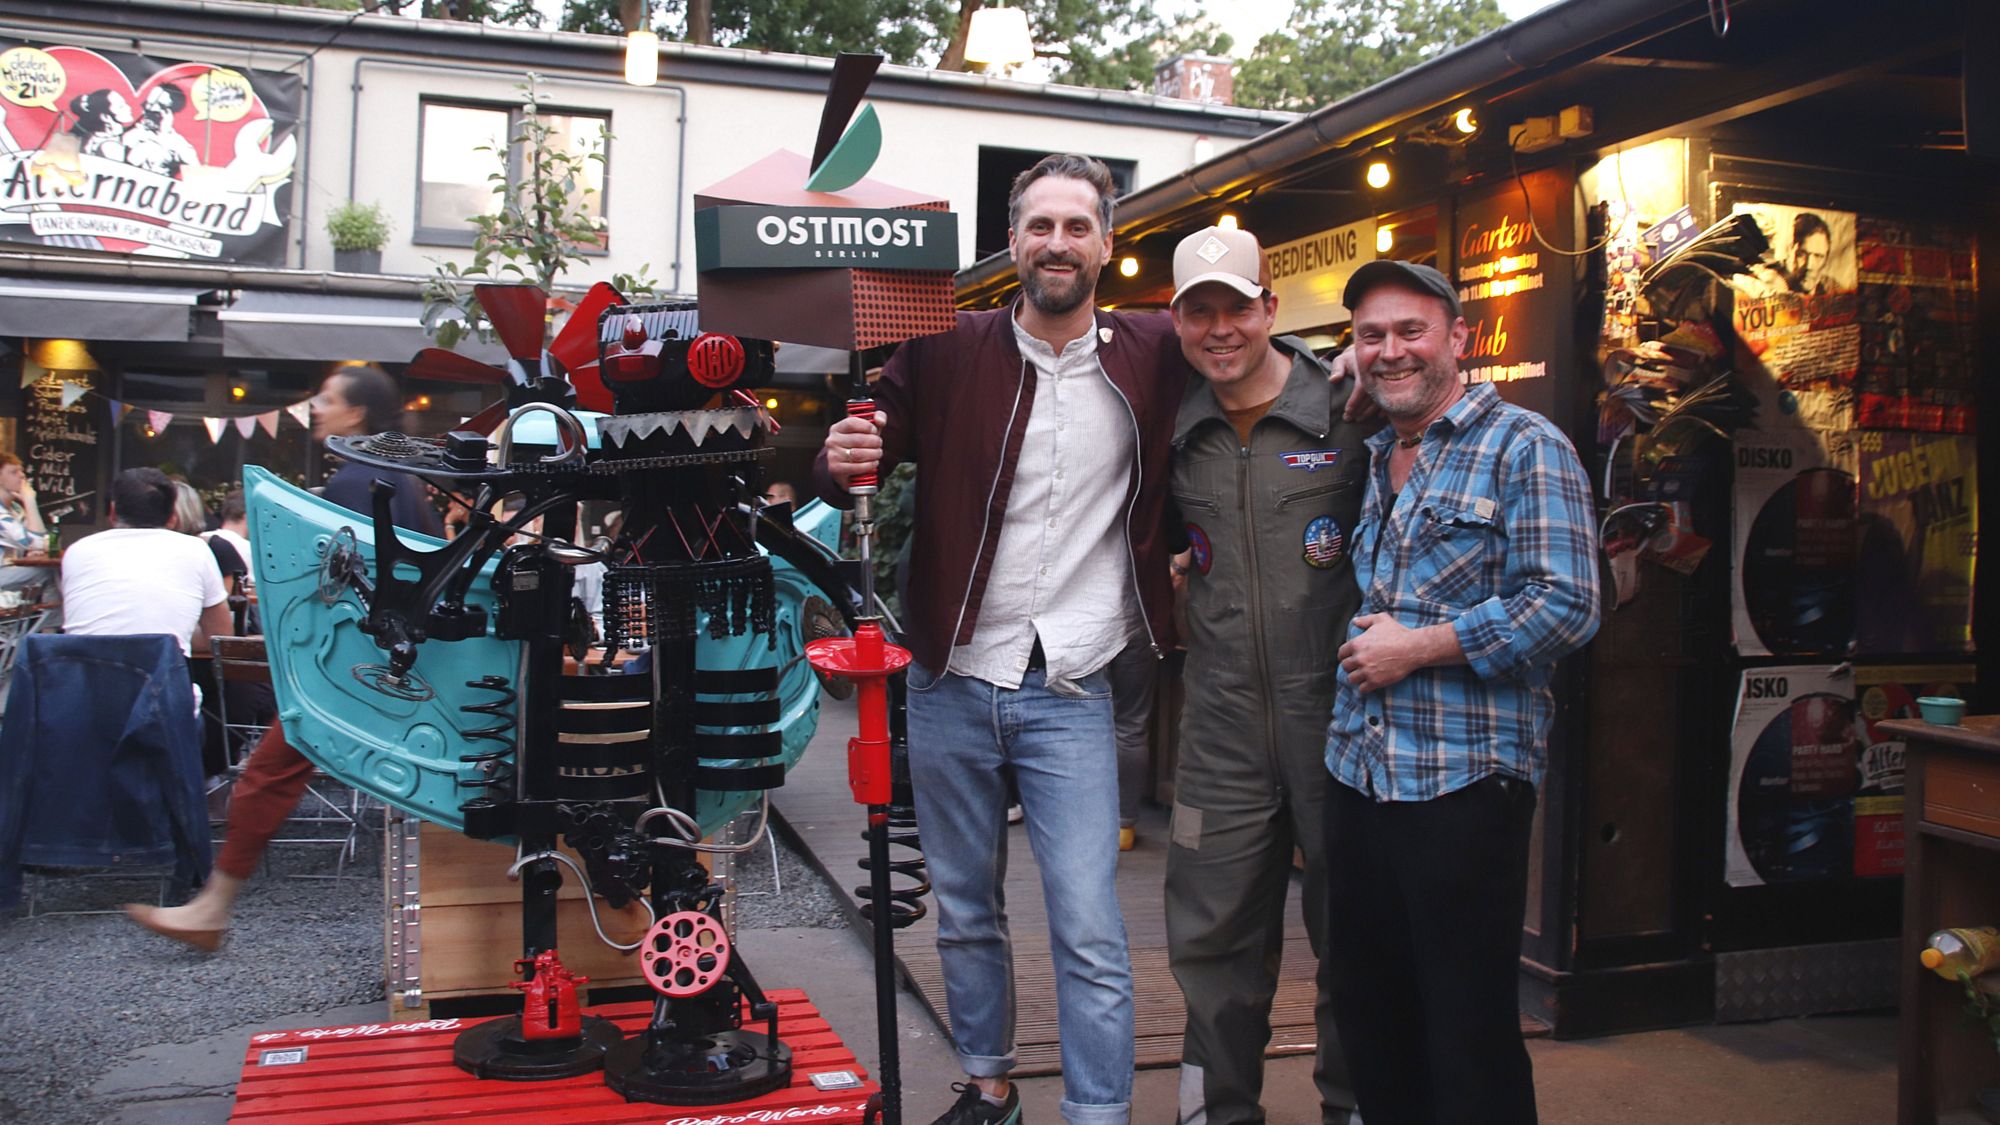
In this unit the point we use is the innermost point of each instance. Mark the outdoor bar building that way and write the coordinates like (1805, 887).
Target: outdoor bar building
(1733, 249)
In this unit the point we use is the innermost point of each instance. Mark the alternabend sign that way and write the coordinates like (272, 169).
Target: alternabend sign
(128, 154)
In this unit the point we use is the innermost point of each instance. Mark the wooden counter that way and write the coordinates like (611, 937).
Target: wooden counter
(1951, 828)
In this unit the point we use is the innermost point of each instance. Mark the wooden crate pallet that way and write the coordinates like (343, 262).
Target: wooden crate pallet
(392, 1073)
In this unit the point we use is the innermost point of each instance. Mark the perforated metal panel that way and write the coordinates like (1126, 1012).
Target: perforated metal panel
(1805, 980)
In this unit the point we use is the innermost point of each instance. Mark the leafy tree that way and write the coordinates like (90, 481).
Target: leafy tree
(907, 31)
(513, 13)
(1329, 49)
(536, 235)
(1131, 65)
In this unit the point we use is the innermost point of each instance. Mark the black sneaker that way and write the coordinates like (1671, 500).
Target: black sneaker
(972, 1108)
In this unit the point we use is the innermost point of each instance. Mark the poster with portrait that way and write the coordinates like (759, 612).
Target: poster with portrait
(1794, 539)
(1918, 543)
(131, 154)
(1796, 312)
(1918, 311)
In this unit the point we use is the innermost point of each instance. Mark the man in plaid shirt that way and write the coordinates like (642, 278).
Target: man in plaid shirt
(1476, 553)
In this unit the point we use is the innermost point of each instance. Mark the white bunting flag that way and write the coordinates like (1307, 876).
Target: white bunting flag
(159, 420)
(31, 372)
(302, 413)
(269, 420)
(72, 391)
(245, 425)
(215, 428)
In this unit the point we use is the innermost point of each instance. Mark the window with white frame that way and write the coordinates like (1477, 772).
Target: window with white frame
(459, 147)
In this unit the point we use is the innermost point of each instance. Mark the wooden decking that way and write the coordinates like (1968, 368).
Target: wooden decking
(816, 808)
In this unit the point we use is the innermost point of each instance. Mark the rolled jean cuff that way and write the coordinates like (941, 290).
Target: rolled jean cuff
(1076, 1114)
(986, 1066)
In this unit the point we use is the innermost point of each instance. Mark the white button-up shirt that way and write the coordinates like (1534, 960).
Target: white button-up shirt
(1063, 569)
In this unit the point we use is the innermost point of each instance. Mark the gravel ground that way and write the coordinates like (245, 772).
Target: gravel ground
(84, 993)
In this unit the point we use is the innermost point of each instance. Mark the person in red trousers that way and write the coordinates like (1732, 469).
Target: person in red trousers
(353, 400)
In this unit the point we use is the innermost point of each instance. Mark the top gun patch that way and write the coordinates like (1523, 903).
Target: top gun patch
(1311, 460)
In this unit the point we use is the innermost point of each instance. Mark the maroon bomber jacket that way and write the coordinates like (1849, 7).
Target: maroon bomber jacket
(958, 407)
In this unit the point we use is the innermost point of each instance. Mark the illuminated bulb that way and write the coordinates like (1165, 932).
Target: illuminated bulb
(770, 404)
(237, 392)
(642, 58)
(1128, 267)
(423, 402)
(150, 433)
(1226, 222)
(1385, 239)
(1378, 174)
(1464, 122)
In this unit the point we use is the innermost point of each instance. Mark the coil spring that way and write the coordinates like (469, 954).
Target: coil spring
(492, 763)
(906, 903)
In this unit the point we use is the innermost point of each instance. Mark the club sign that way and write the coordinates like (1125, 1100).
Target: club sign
(773, 237)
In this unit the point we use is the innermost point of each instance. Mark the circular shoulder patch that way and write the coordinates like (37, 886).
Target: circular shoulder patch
(1325, 543)
(1198, 544)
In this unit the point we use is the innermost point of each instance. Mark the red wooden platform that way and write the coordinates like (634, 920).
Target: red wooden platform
(402, 1072)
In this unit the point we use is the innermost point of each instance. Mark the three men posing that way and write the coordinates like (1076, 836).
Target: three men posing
(1039, 552)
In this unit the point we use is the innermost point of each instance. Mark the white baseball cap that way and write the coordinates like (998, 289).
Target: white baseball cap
(1231, 257)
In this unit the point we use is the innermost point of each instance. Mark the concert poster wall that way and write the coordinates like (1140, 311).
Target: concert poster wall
(1890, 692)
(1919, 518)
(1794, 543)
(1798, 313)
(1918, 310)
(117, 152)
(1516, 295)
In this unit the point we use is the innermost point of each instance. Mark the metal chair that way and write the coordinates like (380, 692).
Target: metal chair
(243, 660)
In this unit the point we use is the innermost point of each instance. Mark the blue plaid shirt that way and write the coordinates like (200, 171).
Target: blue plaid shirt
(1493, 533)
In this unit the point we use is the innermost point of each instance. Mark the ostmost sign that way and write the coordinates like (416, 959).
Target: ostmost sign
(754, 236)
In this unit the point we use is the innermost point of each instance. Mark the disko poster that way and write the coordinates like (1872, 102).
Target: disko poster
(1794, 543)
(1917, 316)
(1793, 776)
(129, 154)
(1799, 316)
(1919, 519)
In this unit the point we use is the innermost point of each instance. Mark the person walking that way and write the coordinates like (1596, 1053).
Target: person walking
(352, 400)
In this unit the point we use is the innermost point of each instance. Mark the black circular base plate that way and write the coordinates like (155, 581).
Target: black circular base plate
(495, 1049)
(728, 1066)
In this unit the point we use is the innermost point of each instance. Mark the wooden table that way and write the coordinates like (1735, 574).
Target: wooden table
(1951, 827)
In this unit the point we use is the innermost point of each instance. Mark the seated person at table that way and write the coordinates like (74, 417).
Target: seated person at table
(140, 575)
(21, 529)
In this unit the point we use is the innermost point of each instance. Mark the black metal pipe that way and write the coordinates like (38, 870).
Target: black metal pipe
(884, 918)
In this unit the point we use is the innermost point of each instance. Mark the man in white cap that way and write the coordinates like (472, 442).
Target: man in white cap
(1268, 479)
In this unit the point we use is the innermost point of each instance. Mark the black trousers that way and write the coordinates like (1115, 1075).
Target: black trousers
(1427, 900)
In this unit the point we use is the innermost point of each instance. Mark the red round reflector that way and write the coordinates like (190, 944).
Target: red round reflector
(715, 360)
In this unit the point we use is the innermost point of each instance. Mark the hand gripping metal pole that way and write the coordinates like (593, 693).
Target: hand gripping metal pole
(868, 659)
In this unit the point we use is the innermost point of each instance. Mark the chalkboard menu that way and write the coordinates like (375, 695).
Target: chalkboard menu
(1516, 293)
(59, 447)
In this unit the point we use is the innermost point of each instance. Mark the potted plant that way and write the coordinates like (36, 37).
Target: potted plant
(359, 231)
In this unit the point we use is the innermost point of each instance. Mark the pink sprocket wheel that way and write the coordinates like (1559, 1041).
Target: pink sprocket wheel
(684, 954)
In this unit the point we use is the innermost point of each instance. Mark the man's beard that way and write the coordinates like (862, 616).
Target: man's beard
(1414, 396)
(1054, 298)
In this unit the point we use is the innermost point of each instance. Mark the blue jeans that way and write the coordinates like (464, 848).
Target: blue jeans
(1063, 753)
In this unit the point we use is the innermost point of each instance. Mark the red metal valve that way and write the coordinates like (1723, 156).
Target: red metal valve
(550, 1010)
(868, 659)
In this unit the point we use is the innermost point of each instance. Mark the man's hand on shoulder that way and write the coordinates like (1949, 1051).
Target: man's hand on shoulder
(1360, 406)
(1387, 651)
(854, 448)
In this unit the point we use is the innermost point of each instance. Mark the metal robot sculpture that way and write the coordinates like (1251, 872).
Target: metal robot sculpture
(431, 674)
